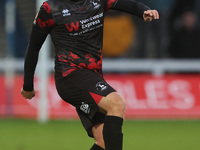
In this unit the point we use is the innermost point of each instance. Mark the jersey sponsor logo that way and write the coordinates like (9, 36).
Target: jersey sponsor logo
(101, 86)
(85, 108)
(66, 12)
(72, 26)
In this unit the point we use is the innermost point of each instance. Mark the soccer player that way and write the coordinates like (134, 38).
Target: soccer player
(76, 29)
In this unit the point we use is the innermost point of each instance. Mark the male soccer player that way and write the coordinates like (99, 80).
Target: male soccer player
(76, 29)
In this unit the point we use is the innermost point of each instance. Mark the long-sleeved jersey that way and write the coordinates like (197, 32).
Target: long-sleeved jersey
(76, 29)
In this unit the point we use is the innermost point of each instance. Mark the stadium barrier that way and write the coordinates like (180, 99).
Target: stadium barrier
(147, 95)
(155, 66)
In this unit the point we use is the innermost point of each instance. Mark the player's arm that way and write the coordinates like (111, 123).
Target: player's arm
(136, 8)
(36, 40)
(40, 29)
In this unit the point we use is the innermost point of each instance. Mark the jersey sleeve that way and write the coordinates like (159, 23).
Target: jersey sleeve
(129, 6)
(44, 19)
(42, 26)
(37, 38)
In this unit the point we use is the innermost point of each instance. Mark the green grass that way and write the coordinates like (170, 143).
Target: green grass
(70, 135)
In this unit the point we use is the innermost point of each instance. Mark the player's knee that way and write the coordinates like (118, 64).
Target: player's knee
(113, 104)
(117, 103)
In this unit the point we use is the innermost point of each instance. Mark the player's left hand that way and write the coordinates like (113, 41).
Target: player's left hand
(149, 15)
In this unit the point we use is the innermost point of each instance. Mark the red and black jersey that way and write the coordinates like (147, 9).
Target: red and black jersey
(76, 29)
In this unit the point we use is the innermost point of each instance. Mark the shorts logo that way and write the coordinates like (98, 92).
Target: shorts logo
(101, 86)
(85, 108)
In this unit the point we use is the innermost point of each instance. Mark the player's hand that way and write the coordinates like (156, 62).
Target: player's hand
(149, 15)
(27, 94)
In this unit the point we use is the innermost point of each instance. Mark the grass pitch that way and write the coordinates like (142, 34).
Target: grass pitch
(70, 135)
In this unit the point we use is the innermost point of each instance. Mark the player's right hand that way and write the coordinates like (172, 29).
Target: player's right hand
(27, 94)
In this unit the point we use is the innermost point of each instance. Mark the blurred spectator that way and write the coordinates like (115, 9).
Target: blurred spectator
(2, 10)
(185, 42)
(197, 8)
(2, 30)
(181, 6)
(151, 37)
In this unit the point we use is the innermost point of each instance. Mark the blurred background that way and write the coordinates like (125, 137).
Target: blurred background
(155, 40)
(154, 66)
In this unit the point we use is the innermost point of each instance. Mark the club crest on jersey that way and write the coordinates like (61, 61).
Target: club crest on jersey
(96, 5)
(101, 86)
(85, 108)
(66, 12)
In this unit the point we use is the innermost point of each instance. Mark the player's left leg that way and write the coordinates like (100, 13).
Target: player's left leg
(98, 136)
(96, 147)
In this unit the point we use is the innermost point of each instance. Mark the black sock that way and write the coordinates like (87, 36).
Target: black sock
(96, 147)
(112, 133)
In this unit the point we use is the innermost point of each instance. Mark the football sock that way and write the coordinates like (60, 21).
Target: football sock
(96, 147)
(112, 133)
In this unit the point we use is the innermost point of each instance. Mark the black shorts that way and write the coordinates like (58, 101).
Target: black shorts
(84, 89)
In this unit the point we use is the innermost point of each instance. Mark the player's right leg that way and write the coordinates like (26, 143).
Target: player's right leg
(89, 92)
